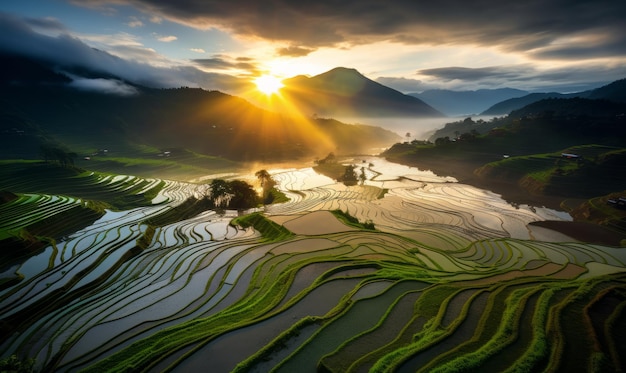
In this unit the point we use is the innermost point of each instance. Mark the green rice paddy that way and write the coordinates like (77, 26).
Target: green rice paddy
(136, 274)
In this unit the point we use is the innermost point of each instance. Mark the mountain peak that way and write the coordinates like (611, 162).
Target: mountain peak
(344, 91)
(343, 70)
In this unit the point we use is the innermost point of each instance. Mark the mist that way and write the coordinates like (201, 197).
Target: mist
(419, 128)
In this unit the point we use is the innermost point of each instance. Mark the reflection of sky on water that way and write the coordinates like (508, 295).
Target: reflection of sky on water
(191, 266)
(391, 171)
(425, 198)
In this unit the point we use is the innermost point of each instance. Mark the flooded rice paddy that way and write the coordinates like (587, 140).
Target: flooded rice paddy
(204, 295)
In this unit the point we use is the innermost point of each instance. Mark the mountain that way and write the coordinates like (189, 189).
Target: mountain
(571, 107)
(35, 112)
(456, 103)
(615, 91)
(548, 108)
(345, 93)
(509, 105)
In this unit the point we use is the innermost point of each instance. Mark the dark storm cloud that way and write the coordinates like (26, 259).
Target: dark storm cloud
(65, 52)
(513, 25)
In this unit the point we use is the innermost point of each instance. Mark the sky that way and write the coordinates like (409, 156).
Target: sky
(409, 45)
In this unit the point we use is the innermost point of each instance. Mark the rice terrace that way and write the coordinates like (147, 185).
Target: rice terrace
(406, 271)
(330, 186)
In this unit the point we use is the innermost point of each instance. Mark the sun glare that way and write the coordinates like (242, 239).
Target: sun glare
(268, 84)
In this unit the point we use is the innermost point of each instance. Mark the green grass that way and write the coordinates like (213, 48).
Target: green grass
(350, 220)
(49, 178)
(268, 229)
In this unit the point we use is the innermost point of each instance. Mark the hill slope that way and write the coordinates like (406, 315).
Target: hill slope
(466, 102)
(343, 92)
(615, 91)
(206, 122)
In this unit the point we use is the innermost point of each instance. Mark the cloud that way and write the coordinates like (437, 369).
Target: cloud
(49, 26)
(109, 86)
(404, 84)
(197, 50)
(511, 25)
(166, 39)
(474, 74)
(294, 51)
(68, 53)
(223, 62)
(569, 78)
(134, 22)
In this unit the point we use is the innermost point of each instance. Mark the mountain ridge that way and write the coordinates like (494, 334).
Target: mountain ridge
(345, 92)
(210, 123)
(614, 91)
(455, 103)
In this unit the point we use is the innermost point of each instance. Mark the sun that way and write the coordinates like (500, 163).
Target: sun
(268, 84)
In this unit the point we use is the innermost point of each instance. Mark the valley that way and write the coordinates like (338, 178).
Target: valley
(448, 275)
(183, 229)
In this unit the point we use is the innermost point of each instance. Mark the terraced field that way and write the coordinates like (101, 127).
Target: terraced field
(452, 279)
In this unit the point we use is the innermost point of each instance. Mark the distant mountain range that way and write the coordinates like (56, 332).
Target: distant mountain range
(615, 91)
(457, 103)
(346, 93)
(39, 103)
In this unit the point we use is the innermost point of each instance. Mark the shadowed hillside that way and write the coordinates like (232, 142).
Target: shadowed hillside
(615, 91)
(343, 92)
(551, 151)
(207, 122)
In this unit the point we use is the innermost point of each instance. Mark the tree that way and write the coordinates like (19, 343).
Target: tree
(349, 176)
(267, 183)
(220, 193)
(243, 195)
(442, 141)
(264, 177)
(362, 176)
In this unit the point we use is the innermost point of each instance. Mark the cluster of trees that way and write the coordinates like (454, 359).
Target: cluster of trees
(350, 176)
(54, 153)
(238, 194)
(467, 136)
(346, 174)
(235, 194)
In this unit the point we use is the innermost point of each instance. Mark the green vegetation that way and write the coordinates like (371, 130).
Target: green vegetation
(356, 300)
(13, 364)
(268, 229)
(352, 221)
(117, 192)
(346, 174)
(449, 279)
(206, 123)
(544, 154)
